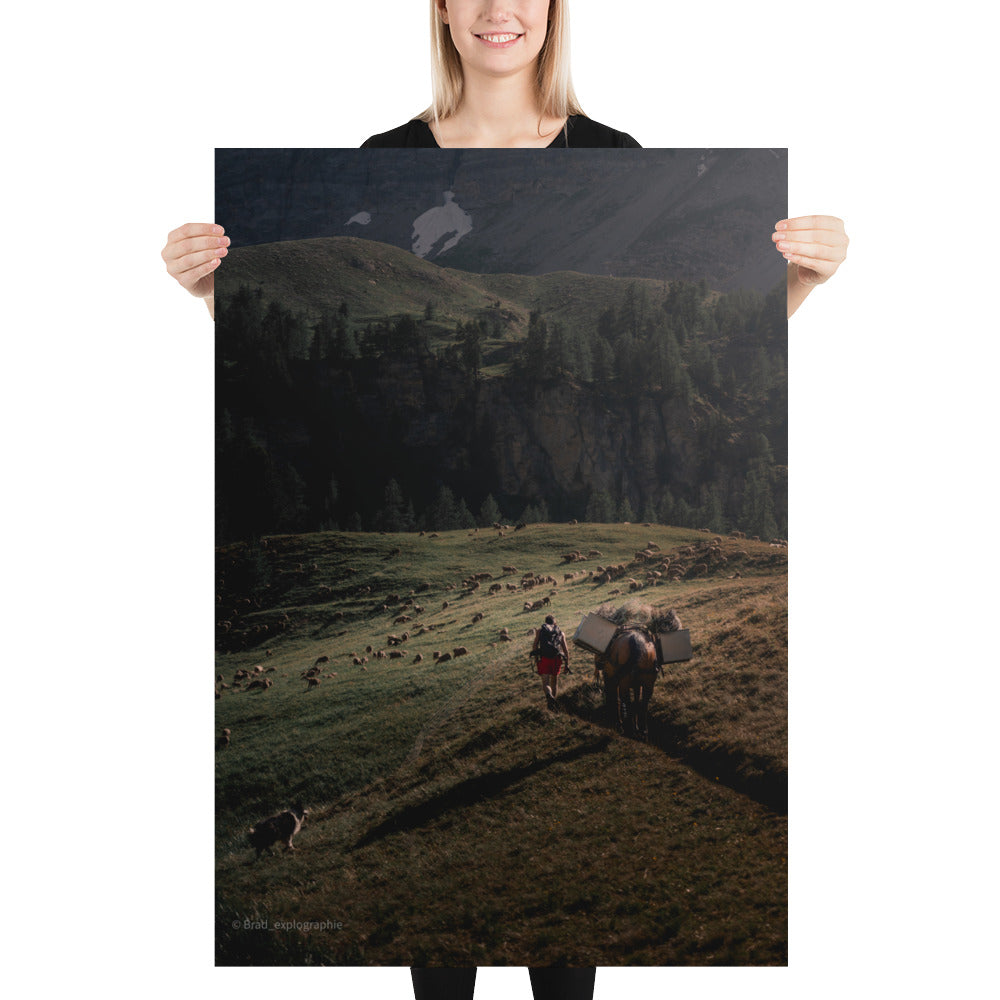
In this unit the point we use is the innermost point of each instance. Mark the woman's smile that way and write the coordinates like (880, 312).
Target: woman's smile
(499, 40)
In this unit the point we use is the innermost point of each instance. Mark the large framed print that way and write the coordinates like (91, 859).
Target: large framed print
(459, 392)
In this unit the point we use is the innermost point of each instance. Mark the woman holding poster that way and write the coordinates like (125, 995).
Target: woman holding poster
(501, 79)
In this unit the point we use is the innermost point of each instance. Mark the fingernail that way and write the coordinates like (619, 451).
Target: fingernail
(218, 230)
(781, 225)
(782, 246)
(221, 252)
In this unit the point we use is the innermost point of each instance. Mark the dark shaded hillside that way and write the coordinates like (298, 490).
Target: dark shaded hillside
(649, 401)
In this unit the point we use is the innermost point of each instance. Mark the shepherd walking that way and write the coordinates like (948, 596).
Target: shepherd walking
(551, 651)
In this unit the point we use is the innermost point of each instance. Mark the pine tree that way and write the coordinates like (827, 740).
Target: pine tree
(489, 512)
(536, 346)
(441, 513)
(600, 508)
(462, 517)
(392, 515)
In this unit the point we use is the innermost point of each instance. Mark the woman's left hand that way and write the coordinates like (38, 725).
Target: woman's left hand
(814, 245)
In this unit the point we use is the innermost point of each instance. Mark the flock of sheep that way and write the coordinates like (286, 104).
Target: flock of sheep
(649, 567)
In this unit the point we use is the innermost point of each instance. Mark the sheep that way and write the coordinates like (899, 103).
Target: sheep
(396, 654)
(459, 651)
(444, 606)
(321, 659)
(419, 658)
(510, 569)
(223, 740)
(478, 617)
(444, 658)
(313, 682)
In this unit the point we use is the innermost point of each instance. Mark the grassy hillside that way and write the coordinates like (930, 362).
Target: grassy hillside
(377, 280)
(454, 819)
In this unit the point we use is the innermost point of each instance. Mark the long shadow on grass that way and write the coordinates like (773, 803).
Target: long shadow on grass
(471, 792)
(746, 773)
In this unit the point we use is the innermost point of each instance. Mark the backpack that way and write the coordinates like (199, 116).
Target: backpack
(548, 641)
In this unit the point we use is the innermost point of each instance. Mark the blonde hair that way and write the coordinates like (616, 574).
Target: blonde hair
(555, 86)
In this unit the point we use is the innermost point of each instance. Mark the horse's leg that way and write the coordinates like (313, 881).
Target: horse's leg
(642, 697)
(624, 710)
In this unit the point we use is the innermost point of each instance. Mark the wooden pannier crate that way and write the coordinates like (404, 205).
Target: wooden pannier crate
(673, 647)
(595, 633)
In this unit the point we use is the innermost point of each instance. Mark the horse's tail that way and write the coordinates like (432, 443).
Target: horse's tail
(635, 649)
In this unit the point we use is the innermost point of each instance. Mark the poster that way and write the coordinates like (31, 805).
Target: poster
(458, 391)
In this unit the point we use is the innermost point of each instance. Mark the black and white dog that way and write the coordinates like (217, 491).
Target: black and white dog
(284, 826)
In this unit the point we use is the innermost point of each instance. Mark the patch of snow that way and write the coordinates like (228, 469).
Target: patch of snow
(448, 220)
(362, 219)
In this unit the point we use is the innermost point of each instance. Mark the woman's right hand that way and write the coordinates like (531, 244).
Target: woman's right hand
(192, 254)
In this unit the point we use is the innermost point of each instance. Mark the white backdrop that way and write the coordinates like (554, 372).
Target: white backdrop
(107, 408)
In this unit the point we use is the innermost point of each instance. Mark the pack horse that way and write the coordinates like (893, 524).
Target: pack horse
(629, 665)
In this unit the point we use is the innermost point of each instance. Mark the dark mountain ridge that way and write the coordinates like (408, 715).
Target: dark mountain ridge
(662, 214)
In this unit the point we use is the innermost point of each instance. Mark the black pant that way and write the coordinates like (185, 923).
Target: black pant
(546, 984)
